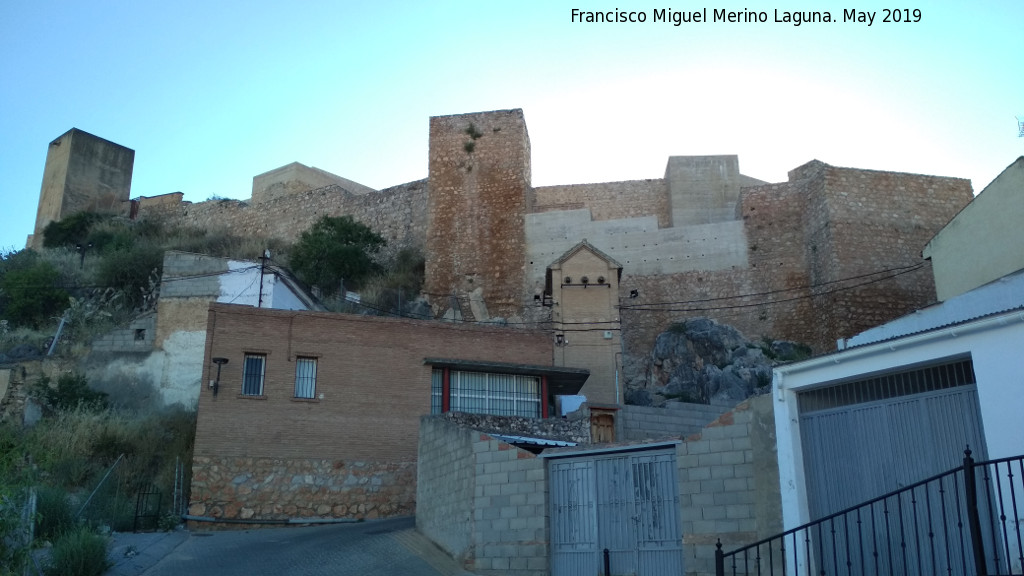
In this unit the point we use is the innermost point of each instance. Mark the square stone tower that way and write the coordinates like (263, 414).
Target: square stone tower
(83, 173)
(480, 193)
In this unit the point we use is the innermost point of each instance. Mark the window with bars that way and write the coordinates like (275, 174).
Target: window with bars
(488, 393)
(436, 389)
(253, 369)
(305, 377)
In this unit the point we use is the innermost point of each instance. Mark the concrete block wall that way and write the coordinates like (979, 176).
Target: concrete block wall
(137, 337)
(510, 510)
(445, 481)
(729, 484)
(481, 500)
(677, 419)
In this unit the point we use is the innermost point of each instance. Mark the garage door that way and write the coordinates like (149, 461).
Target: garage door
(865, 438)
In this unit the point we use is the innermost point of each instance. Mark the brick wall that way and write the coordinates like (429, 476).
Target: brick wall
(370, 373)
(675, 420)
(496, 523)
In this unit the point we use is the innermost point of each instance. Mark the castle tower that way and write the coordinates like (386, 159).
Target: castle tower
(479, 194)
(82, 173)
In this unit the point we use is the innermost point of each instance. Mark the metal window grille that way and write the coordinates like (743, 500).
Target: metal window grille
(436, 385)
(498, 394)
(305, 377)
(253, 370)
(893, 385)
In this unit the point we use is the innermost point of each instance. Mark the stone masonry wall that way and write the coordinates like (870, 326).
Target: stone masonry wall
(729, 484)
(289, 489)
(805, 238)
(399, 214)
(608, 200)
(878, 221)
(574, 428)
(676, 419)
(479, 195)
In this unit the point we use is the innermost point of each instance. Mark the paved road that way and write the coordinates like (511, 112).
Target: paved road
(375, 547)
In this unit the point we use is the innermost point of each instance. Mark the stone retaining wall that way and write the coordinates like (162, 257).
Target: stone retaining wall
(274, 489)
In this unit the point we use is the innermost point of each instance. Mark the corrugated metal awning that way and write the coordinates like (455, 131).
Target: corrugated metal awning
(530, 440)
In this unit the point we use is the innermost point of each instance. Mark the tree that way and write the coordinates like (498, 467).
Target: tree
(29, 289)
(335, 249)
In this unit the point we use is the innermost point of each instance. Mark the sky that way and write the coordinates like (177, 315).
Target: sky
(210, 94)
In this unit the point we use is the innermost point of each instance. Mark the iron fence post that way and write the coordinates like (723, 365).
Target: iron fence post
(719, 559)
(973, 517)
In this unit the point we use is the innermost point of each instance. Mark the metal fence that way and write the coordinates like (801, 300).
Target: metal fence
(966, 521)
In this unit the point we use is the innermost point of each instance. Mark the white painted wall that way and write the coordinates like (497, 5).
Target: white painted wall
(994, 343)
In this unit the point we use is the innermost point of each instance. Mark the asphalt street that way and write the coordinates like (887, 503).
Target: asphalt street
(375, 547)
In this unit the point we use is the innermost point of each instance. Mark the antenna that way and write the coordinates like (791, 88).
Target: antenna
(1020, 126)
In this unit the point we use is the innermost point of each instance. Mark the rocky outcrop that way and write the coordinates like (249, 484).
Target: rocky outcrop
(701, 361)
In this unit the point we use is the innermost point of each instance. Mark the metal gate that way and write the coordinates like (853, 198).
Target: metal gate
(857, 450)
(856, 453)
(625, 503)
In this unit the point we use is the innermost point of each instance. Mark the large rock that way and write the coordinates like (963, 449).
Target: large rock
(699, 360)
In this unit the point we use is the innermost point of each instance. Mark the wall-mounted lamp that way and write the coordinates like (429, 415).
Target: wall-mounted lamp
(216, 383)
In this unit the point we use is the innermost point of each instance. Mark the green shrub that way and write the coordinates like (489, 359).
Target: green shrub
(72, 391)
(30, 292)
(54, 516)
(131, 270)
(78, 553)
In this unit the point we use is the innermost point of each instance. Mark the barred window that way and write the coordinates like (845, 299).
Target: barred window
(436, 387)
(499, 394)
(253, 370)
(305, 377)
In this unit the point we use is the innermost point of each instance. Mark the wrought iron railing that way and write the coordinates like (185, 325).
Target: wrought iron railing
(967, 521)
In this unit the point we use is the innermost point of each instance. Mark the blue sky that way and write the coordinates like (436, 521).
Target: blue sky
(210, 94)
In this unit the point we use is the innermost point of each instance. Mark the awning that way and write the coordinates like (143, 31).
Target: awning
(517, 440)
(561, 380)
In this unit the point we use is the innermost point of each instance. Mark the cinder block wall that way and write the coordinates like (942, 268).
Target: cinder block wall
(677, 419)
(445, 484)
(507, 529)
(729, 484)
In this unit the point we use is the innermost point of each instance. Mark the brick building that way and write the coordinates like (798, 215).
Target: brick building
(316, 415)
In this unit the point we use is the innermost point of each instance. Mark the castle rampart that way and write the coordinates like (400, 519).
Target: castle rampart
(822, 256)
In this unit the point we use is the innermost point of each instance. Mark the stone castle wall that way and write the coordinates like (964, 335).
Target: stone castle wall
(479, 196)
(399, 214)
(769, 259)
